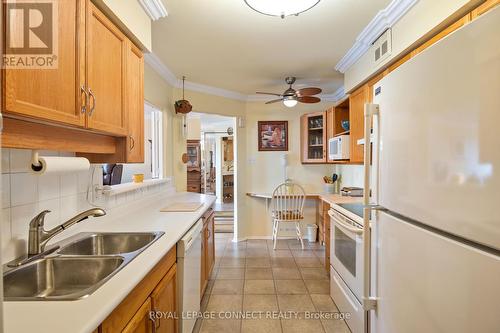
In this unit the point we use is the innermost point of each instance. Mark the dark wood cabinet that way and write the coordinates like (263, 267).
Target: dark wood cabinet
(194, 166)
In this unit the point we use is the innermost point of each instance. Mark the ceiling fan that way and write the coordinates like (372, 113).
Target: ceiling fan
(291, 96)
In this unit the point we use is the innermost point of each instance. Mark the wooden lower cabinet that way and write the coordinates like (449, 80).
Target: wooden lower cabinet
(156, 292)
(164, 299)
(141, 321)
(207, 248)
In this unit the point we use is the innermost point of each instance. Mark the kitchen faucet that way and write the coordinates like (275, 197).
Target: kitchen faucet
(38, 236)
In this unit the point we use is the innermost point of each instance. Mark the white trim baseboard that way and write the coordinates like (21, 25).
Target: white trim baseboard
(384, 19)
(154, 8)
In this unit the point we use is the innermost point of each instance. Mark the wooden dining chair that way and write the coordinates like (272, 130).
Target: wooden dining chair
(287, 206)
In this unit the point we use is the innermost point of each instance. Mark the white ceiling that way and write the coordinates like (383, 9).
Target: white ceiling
(225, 44)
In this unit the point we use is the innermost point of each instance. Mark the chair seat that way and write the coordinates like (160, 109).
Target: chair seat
(287, 215)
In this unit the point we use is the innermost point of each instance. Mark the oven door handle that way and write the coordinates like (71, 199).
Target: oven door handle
(357, 231)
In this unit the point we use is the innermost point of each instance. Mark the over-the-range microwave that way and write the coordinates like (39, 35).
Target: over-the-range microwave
(338, 147)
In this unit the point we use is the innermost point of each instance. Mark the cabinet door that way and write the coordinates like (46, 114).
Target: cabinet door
(204, 275)
(356, 115)
(106, 71)
(135, 104)
(210, 244)
(141, 322)
(165, 300)
(54, 94)
(313, 137)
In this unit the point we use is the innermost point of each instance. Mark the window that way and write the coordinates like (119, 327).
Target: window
(156, 142)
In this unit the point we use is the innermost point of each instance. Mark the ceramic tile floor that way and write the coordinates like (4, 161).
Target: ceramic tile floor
(251, 276)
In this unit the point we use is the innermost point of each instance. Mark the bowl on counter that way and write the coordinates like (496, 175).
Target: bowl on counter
(345, 125)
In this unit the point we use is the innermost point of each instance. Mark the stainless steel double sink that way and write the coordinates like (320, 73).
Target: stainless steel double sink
(79, 267)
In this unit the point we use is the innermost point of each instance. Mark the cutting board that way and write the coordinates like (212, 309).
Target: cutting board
(182, 207)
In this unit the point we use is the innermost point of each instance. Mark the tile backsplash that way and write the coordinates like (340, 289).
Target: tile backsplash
(350, 175)
(24, 195)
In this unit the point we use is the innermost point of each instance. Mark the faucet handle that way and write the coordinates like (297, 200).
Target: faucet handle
(38, 220)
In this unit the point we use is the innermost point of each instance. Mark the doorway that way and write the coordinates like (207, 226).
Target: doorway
(216, 138)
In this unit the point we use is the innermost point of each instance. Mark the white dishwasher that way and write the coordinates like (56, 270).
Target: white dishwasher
(188, 277)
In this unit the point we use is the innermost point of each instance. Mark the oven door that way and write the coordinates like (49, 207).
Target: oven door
(346, 252)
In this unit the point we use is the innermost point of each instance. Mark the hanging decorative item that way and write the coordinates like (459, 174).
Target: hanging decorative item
(183, 106)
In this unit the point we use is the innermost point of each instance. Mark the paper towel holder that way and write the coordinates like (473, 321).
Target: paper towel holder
(36, 165)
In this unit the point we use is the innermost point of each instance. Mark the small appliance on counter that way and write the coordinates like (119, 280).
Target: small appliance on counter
(352, 191)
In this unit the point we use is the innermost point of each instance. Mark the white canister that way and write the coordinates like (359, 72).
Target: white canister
(329, 188)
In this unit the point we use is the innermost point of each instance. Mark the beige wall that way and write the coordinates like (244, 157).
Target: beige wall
(161, 95)
(256, 171)
(193, 128)
(264, 170)
(420, 19)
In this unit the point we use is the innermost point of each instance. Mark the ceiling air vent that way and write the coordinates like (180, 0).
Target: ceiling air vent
(382, 47)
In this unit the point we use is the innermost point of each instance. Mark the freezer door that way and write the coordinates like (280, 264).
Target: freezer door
(439, 143)
(429, 283)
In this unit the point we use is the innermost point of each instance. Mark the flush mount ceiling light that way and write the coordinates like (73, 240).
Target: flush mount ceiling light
(281, 8)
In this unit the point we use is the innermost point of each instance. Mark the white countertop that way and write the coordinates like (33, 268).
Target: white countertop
(328, 197)
(85, 315)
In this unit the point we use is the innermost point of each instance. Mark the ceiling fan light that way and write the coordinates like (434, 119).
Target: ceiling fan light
(290, 102)
(281, 8)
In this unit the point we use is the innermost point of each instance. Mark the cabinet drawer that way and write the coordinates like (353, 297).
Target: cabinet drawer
(194, 188)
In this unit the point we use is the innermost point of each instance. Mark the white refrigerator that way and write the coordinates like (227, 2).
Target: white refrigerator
(435, 181)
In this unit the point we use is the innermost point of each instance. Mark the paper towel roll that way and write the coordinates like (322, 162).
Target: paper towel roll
(55, 164)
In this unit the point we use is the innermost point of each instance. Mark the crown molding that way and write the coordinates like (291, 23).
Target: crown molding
(160, 68)
(167, 75)
(154, 8)
(214, 91)
(386, 18)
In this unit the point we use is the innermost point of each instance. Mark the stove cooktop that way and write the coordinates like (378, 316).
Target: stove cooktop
(355, 208)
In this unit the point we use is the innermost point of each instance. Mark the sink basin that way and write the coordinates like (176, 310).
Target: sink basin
(109, 243)
(59, 278)
(83, 264)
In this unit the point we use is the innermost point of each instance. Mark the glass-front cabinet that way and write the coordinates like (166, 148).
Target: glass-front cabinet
(313, 137)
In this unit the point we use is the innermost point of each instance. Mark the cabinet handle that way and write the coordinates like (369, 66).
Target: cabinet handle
(153, 324)
(132, 142)
(84, 91)
(92, 108)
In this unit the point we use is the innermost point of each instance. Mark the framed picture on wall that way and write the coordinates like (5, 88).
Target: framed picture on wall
(272, 135)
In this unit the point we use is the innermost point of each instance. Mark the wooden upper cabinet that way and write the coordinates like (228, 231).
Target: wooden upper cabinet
(164, 300)
(106, 71)
(140, 322)
(135, 104)
(484, 7)
(357, 102)
(54, 94)
(334, 118)
(313, 137)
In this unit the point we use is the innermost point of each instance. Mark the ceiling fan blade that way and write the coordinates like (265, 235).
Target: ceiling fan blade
(309, 99)
(308, 91)
(275, 101)
(264, 93)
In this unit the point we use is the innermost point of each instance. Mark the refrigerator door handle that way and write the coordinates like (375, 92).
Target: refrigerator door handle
(371, 113)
